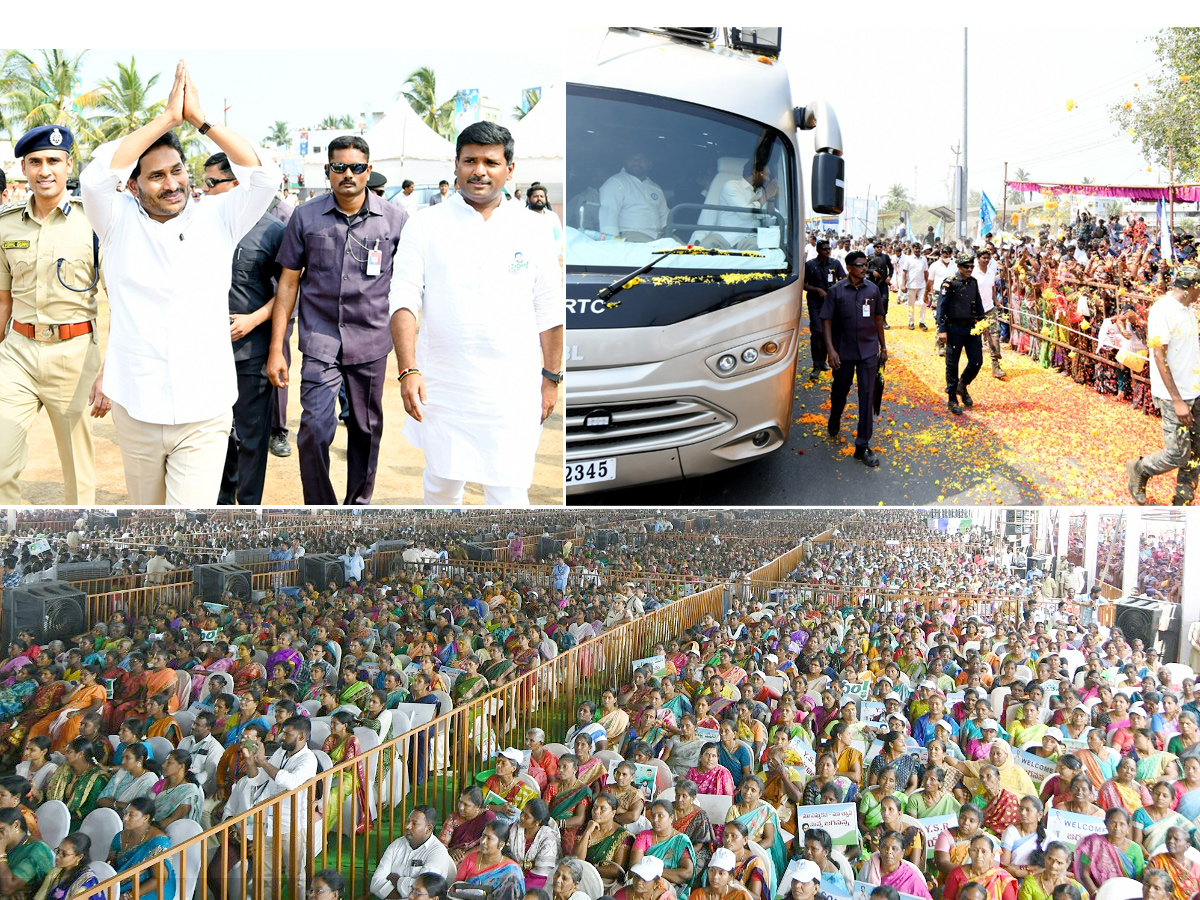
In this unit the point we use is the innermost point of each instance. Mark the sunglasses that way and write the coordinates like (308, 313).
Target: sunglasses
(213, 182)
(340, 167)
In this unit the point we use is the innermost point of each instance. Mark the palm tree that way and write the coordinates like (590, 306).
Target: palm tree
(122, 102)
(47, 90)
(529, 99)
(897, 199)
(1087, 179)
(1018, 197)
(280, 135)
(421, 95)
(333, 123)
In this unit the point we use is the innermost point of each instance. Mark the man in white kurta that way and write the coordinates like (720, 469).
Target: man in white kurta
(483, 373)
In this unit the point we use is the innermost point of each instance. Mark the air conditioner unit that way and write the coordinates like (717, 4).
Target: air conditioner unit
(52, 610)
(213, 581)
(83, 571)
(320, 569)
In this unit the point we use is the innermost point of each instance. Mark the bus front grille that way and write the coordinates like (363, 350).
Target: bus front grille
(641, 426)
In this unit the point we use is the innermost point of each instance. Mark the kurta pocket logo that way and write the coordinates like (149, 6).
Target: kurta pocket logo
(519, 262)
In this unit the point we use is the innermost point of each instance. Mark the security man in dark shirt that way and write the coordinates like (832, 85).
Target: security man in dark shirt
(251, 300)
(959, 308)
(820, 275)
(879, 271)
(852, 327)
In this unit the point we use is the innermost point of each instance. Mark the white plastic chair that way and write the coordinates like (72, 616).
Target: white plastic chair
(558, 749)
(103, 871)
(183, 688)
(320, 731)
(715, 806)
(54, 822)
(115, 740)
(186, 862)
(609, 756)
(101, 825)
(312, 706)
(185, 718)
(591, 883)
(161, 747)
(1120, 889)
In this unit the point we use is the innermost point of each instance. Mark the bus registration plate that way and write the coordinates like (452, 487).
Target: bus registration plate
(590, 471)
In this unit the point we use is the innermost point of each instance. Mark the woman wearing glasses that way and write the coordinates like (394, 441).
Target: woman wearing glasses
(72, 873)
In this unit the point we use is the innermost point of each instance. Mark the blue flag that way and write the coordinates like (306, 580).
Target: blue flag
(987, 215)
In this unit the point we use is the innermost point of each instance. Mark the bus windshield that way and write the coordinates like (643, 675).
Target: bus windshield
(647, 173)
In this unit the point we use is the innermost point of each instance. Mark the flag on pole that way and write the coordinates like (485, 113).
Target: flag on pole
(1164, 235)
(937, 232)
(987, 215)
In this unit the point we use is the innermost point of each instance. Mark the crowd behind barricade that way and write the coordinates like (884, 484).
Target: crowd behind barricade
(150, 721)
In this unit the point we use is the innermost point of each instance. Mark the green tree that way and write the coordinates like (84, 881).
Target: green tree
(280, 135)
(1162, 115)
(122, 102)
(1018, 197)
(420, 90)
(529, 98)
(897, 199)
(335, 122)
(46, 89)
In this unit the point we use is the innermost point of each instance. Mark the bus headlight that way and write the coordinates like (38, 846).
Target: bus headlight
(727, 362)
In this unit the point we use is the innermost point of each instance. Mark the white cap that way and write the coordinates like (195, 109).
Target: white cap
(893, 696)
(1055, 733)
(773, 658)
(513, 755)
(807, 871)
(989, 725)
(1139, 709)
(722, 858)
(649, 867)
(943, 723)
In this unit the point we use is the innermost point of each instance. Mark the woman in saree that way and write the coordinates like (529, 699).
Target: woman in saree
(870, 804)
(692, 821)
(470, 683)
(244, 670)
(79, 781)
(887, 866)
(543, 765)
(1001, 807)
(498, 666)
(933, 799)
(1099, 760)
(491, 865)
(614, 719)
(72, 875)
(953, 845)
(216, 661)
(248, 705)
(161, 679)
(1174, 860)
(682, 751)
(14, 792)
(756, 873)
(1057, 788)
(912, 838)
(130, 781)
(590, 769)
(37, 767)
(1123, 790)
(894, 756)
(462, 831)
(355, 689)
(505, 783)
(732, 754)
(63, 725)
(15, 697)
(139, 840)
(46, 697)
(285, 654)
(1083, 797)
(178, 795)
(566, 882)
(848, 758)
(1042, 881)
(1099, 857)
(1013, 778)
(1153, 765)
(1187, 789)
(677, 703)
(534, 842)
(631, 802)
(605, 842)
(710, 777)
(655, 723)
(342, 745)
(673, 848)
(1023, 844)
(982, 869)
(569, 800)
(761, 821)
(1151, 823)
(129, 693)
(635, 695)
(1187, 742)
(160, 722)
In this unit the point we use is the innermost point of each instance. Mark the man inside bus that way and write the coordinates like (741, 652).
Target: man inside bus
(753, 192)
(631, 205)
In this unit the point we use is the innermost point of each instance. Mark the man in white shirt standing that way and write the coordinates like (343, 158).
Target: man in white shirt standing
(484, 277)
(985, 275)
(417, 853)
(941, 269)
(405, 199)
(289, 767)
(169, 371)
(1171, 331)
(631, 205)
(912, 283)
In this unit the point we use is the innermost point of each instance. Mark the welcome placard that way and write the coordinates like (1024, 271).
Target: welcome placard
(839, 819)
(1073, 827)
(1038, 768)
(657, 663)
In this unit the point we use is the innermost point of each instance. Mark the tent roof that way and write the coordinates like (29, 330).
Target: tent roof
(540, 135)
(402, 134)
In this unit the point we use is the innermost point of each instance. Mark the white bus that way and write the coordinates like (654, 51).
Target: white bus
(684, 250)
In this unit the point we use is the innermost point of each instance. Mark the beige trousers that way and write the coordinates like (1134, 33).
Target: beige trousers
(58, 377)
(172, 465)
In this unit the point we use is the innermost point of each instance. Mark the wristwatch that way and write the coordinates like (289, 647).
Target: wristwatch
(204, 126)
(556, 377)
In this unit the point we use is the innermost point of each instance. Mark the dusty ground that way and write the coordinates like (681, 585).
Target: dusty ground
(398, 482)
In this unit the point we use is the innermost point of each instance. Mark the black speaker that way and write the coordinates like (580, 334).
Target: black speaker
(1157, 622)
(390, 546)
(83, 571)
(548, 548)
(52, 610)
(701, 523)
(478, 552)
(321, 569)
(251, 556)
(198, 517)
(600, 539)
(97, 520)
(215, 580)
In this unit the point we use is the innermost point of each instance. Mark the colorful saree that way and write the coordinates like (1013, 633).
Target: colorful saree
(166, 727)
(1101, 860)
(1129, 798)
(345, 783)
(671, 852)
(756, 821)
(158, 845)
(57, 887)
(63, 734)
(717, 780)
(79, 792)
(562, 807)
(503, 881)
(699, 830)
(168, 800)
(1186, 877)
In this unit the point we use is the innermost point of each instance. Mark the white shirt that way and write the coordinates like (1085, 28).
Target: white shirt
(481, 361)
(629, 203)
(939, 272)
(914, 267)
(201, 751)
(1172, 325)
(407, 202)
(739, 192)
(987, 284)
(550, 219)
(294, 771)
(170, 359)
(400, 858)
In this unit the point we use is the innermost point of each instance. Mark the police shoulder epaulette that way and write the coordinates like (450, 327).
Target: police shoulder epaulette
(11, 207)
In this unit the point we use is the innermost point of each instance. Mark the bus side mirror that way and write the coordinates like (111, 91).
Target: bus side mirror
(828, 194)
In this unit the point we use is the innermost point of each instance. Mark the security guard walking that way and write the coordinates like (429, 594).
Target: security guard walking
(959, 308)
(50, 288)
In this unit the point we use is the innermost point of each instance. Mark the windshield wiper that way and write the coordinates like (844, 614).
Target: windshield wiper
(623, 282)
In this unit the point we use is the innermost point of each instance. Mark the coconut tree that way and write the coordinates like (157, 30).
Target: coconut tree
(332, 123)
(123, 102)
(420, 90)
(1018, 197)
(45, 88)
(280, 135)
(529, 99)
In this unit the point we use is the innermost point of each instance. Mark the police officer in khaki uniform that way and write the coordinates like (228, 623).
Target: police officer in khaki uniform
(49, 288)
